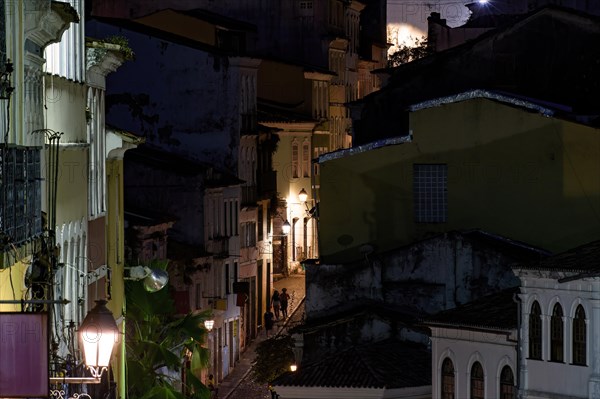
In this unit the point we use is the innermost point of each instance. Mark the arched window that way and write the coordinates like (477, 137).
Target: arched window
(535, 331)
(556, 334)
(477, 387)
(447, 379)
(579, 337)
(507, 383)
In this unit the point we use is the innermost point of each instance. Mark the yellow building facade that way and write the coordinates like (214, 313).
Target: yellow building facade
(484, 161)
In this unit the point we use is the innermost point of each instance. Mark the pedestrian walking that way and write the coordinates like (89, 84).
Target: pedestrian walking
(284, 297)
(276, 303)
(214, 392)
(268, 321)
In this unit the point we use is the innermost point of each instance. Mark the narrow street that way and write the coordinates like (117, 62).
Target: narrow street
(238, 384)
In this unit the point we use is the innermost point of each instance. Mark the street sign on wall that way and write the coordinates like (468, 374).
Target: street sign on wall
(23, 355)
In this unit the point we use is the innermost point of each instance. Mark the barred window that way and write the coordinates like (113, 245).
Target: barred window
(447, 379)
(535, 332)
(21, 213)
(430, 186)
(477, 387)
(507, 383)
(579, 337)
(556, 334)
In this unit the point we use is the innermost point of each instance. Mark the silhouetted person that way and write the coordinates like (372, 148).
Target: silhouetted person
(268, 321)
(284, 298)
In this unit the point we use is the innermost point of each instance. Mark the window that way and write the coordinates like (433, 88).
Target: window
(579, 337)
(447, 379)
(430, 193)
(20, 173)
(235, 215)
(295, 160)
(477, 387)
(198, 296)
(260, 223)
(556, 334)
(507, 383)
(535, 332)
(248, 236)
(227, 280)
(305, 8)
(305, 159)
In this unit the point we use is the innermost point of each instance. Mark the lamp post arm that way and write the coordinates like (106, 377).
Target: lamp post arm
(74, 380)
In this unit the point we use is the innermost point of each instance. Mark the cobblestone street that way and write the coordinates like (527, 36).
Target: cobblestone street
(239, 383)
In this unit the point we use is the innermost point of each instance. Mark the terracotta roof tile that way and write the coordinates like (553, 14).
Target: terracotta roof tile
(496, 311)
(385, 364)
(585, 258)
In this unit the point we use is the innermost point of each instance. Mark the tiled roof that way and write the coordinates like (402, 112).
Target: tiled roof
(385, 364)
(496, 311)
(585, 258)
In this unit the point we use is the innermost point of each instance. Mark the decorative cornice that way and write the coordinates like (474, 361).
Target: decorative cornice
(46, 22)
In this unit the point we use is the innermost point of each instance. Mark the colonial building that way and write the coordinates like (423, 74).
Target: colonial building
(559, 326)
(474, 348)
(467, 156)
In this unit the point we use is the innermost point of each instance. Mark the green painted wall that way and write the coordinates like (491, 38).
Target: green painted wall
(511, 172)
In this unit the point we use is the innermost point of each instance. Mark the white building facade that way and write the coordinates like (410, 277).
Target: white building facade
(560, 326)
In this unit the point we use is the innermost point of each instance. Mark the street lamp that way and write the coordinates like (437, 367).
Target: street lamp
(286, 227)
(209, 324)
(98, 334)
(153, 279)
(303, 195)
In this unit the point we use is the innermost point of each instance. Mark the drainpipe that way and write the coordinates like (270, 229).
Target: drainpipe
(517, 300)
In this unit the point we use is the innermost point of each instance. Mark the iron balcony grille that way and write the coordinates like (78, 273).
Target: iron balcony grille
(20, 211)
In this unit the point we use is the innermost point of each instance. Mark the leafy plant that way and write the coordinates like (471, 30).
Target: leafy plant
(158, 343)
(406, 53)
(123, 42)
(274, 357)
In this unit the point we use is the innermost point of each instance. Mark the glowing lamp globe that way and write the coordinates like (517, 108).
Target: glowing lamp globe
(98, 334)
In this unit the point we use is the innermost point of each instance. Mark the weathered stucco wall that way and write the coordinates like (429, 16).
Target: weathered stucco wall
(429, 276)
(184, 99)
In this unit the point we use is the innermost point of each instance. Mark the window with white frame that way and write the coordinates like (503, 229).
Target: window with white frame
(507, 383)
(579, 337)
(295, 159)
(477, 382)
(430, 187)
(557, 334)
(306, 159)
(248, 235)
(448, 383)
(535, 331)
